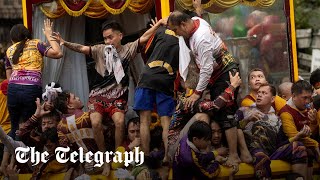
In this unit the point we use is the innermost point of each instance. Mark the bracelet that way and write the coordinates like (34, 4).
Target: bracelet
(34, 118)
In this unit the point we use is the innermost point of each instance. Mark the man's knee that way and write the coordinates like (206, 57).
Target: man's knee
(119, 122)
(96, 120)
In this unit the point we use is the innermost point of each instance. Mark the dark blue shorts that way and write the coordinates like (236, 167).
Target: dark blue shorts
(147, 99)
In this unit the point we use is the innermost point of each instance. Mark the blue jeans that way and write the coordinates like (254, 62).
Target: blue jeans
(21, 104)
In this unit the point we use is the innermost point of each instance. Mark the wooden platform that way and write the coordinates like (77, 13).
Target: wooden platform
(279, 170)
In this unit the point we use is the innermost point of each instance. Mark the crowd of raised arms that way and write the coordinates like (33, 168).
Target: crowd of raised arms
(187, 119)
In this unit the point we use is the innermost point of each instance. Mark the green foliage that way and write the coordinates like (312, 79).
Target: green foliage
(307, 13)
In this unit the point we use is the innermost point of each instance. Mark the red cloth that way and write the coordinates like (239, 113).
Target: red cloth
(4, 87)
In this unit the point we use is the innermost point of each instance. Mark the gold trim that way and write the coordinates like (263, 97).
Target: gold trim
(293, 43)
(208, 4)
(75, 13)
(165, 8)
(24, 13)
(115, 11)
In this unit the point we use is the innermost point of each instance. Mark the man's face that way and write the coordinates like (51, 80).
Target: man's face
(48, 123)
(256, 78)
(179, 30)
(301, 100)
(112, 37)
(74, 102)
(216, 134)
(133, 131)
(264, 96)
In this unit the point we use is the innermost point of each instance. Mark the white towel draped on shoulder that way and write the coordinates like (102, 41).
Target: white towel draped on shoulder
(184, 58)
(113, 62)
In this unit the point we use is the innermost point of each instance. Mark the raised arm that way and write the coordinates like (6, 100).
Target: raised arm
(55, 50)
(145, 37)
(197, 7)
(73, 46)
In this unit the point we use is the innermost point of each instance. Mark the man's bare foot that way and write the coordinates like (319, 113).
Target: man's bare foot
(246, 157)
(106, 169)
(233, 160)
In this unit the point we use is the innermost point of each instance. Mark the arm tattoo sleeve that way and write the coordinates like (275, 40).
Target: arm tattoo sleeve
(74, 46)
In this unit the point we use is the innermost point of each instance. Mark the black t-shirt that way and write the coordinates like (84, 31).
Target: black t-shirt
(162, 51)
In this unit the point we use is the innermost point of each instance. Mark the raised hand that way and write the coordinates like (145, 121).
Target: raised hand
(47, 27)
(235, 80)
(57, 37)
(196, 4)
(153, 22)
(40, 111)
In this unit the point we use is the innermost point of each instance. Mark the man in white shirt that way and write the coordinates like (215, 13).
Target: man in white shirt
(214, 62)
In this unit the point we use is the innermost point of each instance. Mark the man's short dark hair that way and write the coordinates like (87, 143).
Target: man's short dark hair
(49, 134)
(177, 17)
(273, 89)
(61, 102)
(135, 120)
(301, 85)
(54, 115)
(199, 129)
(111, 24)
(315, 77)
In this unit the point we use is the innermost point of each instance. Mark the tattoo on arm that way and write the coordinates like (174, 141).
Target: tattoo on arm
(74, 46)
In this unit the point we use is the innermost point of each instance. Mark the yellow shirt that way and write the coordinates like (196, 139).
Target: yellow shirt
(290, 128)
(279, 102)
(4, 114)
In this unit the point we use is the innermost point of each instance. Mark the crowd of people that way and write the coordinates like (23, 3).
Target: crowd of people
(187, 119)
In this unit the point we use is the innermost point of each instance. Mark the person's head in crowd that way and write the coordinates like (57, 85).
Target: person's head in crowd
(200, 135)
(181, 23)
(51, 92)
(112, 33)
(316, 102)
(50, 120)
(67, 103)
(49, 138)
(4, 87)
(133, 128)
(265, 96)
(256, 77)
(302, 94)
(285, 90)
(19, 33)
(315, 80)
(217, 134)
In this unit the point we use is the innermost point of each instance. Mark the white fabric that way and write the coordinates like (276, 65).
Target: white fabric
(51, 92)
(184, 58)
(70, 71)
(205, 44)
(271, 118)
(113, 62)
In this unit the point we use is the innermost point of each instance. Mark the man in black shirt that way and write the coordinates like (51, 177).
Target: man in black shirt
(156, 85)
